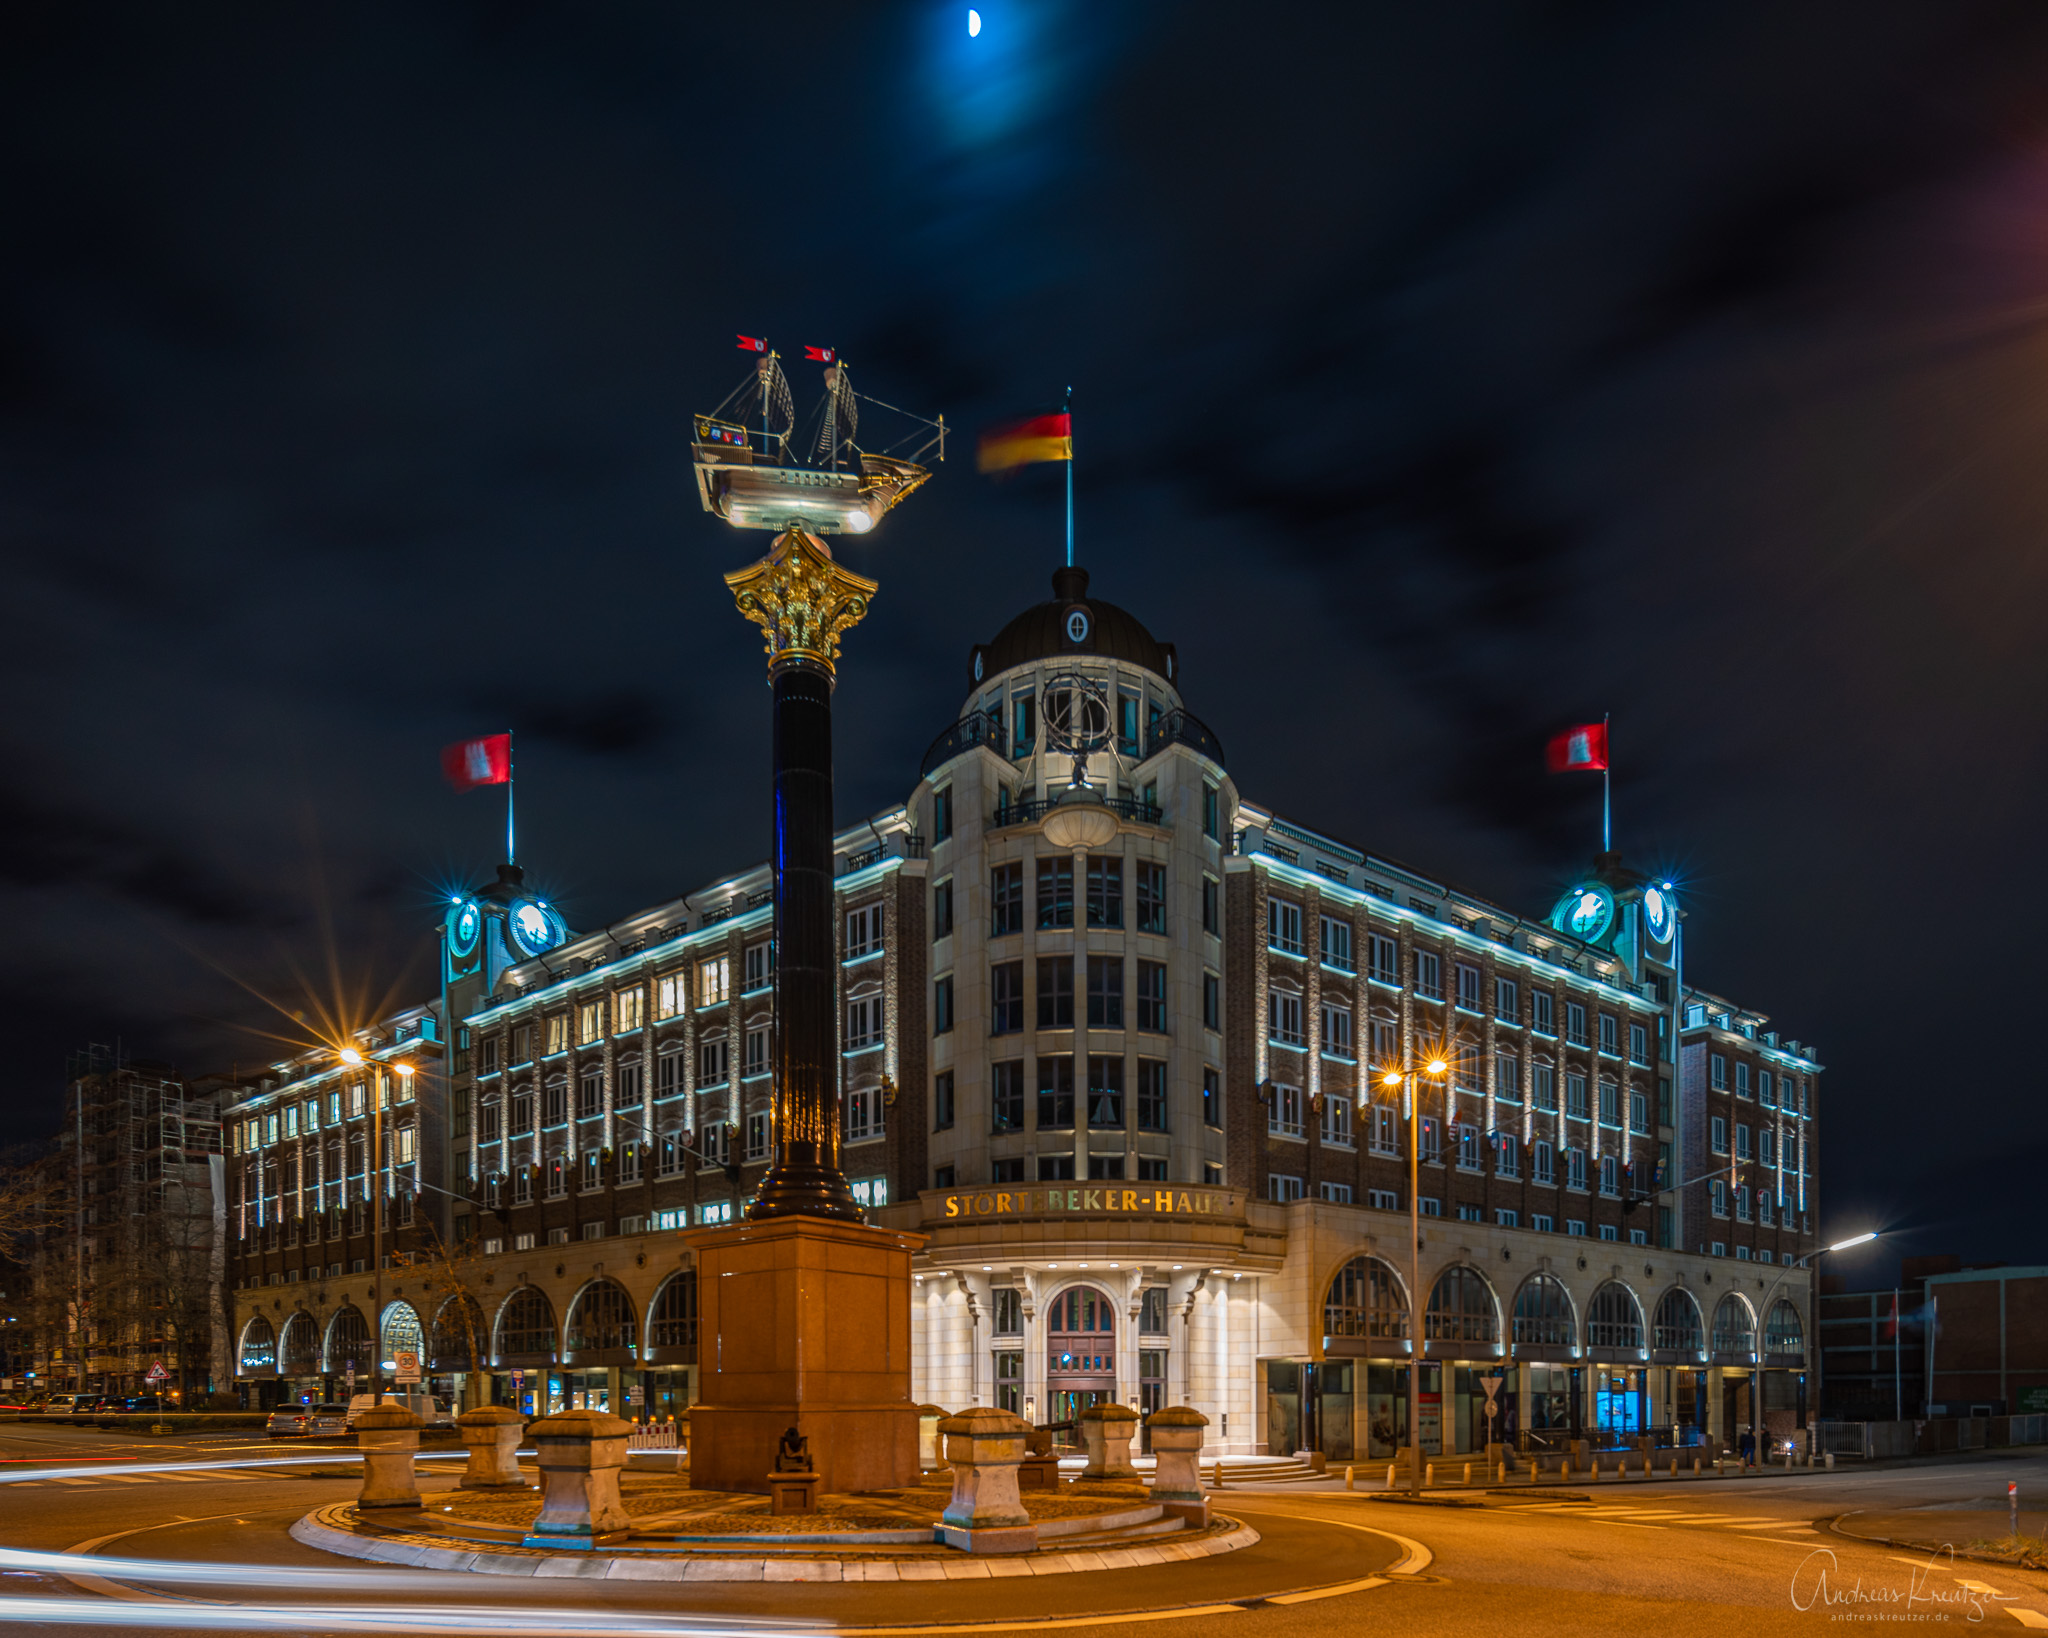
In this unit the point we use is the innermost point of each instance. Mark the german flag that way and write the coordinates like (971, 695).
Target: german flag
(1021, 443)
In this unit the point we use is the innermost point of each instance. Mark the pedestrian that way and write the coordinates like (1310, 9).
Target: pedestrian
(1748, 1448)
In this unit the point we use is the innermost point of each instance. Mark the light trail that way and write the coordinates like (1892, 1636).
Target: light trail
(28, 1474)
(407, 1618)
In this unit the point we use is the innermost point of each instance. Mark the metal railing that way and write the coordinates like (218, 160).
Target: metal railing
(976, 728)
(1184, 728)
(1033, 809)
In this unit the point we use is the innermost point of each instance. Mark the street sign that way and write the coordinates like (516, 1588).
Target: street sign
(633, 1396)
(406, 1365)
(156, 1373)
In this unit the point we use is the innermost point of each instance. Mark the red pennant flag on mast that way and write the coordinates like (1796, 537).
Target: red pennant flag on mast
(1580, 748)
(753, 344)
(469, 763)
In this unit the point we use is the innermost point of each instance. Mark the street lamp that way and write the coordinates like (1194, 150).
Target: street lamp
(1756, 1397)
(404, 1071)
(1394, 1080)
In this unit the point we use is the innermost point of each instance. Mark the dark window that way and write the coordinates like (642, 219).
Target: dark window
(1105, 892)
(1212, 813)
(1056, 1090)
(1106, 1092)
(629, 1083)
(1055, 1168)
(942, 814)
(942, 909)
(557, 1105)
(1152, 1094)
(1212, 906)
(942, 1100)
(942, 1177)
(942, 1005)
(1152, 996)
(1127, 724)
(1055, 992)
(1006, 900)
(1024, 728)
(1006, 1095)
(1105, 992)
(1056, 892)
(1212, 1001)
(1008, 1171)
(1102, 1167)
(1212, 1099)
(1006, 998)
(1151, 897)
(1151, 1171)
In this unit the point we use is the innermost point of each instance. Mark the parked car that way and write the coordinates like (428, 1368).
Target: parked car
(88, 1406)
(62, 1404)
(135, 1404)
(432, 1412)
(307, 1421)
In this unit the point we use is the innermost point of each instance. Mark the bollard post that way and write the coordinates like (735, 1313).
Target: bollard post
(492, 1433)
(1428, 1474)
(580, 1455)
(389, 1435)
(1468, 1472)
(1177, 1470)
(1501, 1474)
(1347, 1478)
(1695, 1467)
(1219, 1473)
(1390, 1475)
(985, 1515)
(1108, 1429)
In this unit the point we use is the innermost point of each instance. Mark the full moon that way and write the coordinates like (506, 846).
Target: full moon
(973, 24)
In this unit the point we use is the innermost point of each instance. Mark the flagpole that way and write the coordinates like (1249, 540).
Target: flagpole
(1070, 477)
(511, 857)
(1606, 786)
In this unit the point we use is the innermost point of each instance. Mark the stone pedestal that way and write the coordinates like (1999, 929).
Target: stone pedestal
(1177, 1444)
(389, 1436)
(492, 1433)
(580, 1454)
(1107, 1431)
(792, 1493)
(804, 1321)
(928, 1450)
(986, 1515)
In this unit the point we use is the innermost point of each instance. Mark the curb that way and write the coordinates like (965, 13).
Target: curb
(1835, 1528)
(321, 1529)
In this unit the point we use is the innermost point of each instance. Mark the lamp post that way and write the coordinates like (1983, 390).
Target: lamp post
(1395, 1080)
(1764, 1321)
(404, 1071)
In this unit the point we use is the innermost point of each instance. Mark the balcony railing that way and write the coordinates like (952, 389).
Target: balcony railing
(1029, 812)
(977, 728)
(1184, 728)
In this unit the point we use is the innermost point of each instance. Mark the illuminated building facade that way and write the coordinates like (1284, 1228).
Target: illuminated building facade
(1111, 1034)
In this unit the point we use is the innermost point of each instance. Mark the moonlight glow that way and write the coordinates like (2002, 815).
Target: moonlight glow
(973, 24)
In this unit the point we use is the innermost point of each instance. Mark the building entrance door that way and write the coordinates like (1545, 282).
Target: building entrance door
(1080, 1367)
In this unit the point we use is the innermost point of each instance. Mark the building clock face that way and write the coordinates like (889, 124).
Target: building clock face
(1657, 914)
(465, 922)
(533, 929)
(1588, 913)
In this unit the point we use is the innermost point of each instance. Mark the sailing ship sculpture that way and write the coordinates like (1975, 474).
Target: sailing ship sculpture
(765, 476)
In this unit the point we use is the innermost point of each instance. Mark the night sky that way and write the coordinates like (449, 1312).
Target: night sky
(1442, 375)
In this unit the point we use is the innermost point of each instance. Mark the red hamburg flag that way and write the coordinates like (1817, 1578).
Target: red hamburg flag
(469, 763)
(1584, 747)
(753, 344)
(820, 355)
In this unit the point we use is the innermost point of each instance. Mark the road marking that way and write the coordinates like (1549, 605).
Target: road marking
(2027, 1618)
(1627, 1525)
(1328, 1592)
(1775, 1524)
(74, 1481)
(129, 1478)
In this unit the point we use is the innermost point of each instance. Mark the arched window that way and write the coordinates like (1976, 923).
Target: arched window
(461, 1338)
(298, 1351)
(1784, 1334)
(1081, 1308)
(1461, 1308)
(259, 1345)
(602, 1317)
(348, 1343)
(1543, 1313)
(1734, 1327)
(1365, 1300)
(1615, 1318)
(1678, 1323)
(526, 1325)
(401, 1333)
(672, 1322)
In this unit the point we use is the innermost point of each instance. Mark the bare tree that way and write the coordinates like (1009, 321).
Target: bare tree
(454, 1274)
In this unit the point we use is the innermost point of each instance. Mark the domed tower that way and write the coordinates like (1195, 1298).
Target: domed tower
(1078, 817)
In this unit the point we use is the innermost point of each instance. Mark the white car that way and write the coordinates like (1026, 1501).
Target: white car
(432, 1412)
(307, 1421)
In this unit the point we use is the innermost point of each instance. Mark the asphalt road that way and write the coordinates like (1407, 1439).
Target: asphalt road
(1670, 1559)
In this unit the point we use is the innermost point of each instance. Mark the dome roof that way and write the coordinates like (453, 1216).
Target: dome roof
(1077, 625)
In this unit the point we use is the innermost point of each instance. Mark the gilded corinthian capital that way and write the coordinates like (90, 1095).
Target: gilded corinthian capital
(802, 600)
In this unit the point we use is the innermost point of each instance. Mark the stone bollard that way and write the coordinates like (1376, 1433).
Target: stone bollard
(1347, 1479)
(1428, 1474)
(928, 1419)
(492, 1433)
(1219, 1473)
(389, 1436)
(1831, 1461)
(986, 1515)
(1390, 1475)
(1695, 1467)
(1107, 1430)
(1500, 1474)
(1177, 1479)
(581, 1455)
(1468, 1472)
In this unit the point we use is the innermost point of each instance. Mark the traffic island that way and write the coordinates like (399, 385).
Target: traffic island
(674, 1532)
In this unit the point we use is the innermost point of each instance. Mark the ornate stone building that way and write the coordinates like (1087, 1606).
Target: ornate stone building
(1116, 1038)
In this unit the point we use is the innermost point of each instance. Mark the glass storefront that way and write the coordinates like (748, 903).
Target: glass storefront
(1621, 1402)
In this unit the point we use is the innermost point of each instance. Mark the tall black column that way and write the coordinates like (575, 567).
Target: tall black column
(805, 1179)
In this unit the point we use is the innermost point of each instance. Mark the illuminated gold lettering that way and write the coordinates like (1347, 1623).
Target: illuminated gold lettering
(1130, 1200)
(1091, 1200)
(1163, 1201)
(1002, 1202)
(983, 1204)
(1184, 1206)
(952, 1205)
